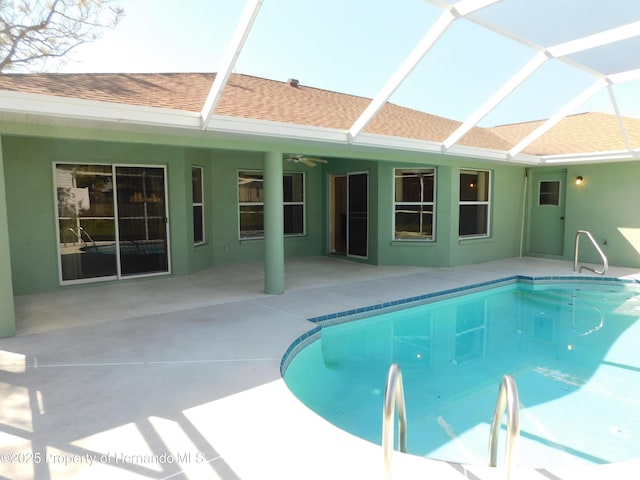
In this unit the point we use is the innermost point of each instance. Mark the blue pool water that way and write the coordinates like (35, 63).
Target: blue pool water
(574, 351)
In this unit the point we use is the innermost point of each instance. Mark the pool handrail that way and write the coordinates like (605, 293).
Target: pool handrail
(507, 400)
(78, 235)
(393, 398)
(605, 261)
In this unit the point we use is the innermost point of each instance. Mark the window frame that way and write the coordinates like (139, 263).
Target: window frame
(548, 195)
(116, 217)
(200, 204)
(486, 203)
(431, 203)
(285, 204)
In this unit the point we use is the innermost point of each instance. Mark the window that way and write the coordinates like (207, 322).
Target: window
(293, 186)
(474, 203)
(414, 204)
(198, 205)
(549, 193)
(251, 204)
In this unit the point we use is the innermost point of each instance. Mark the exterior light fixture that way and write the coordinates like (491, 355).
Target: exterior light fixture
(579, 180)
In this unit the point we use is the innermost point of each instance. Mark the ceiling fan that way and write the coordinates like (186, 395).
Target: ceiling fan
(309, 161)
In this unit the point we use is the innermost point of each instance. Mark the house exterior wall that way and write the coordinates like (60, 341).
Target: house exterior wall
(31, 210)
(7, 312)
(605, 204)
(222, 230)
(507, 183)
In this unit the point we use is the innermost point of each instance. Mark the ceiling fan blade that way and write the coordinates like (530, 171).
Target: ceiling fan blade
(309, 161)
(316, 160)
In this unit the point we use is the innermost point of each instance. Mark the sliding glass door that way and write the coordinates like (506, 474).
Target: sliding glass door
(112, 221)
(142, 220)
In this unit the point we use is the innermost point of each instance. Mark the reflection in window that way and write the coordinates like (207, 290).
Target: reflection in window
(414, 204)
(86, 218)
(251, 204)
(112, 221)
(471, 330)
(474, 203)
(198, 205)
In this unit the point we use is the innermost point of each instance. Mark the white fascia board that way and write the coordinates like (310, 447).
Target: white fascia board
(271, 129)
(599, 157)
(372, 140)
(425, 146)
(489, 154)
(265, 129)
(73, 108)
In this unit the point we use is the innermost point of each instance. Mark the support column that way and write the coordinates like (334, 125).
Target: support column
(7, 311)
(273, 224)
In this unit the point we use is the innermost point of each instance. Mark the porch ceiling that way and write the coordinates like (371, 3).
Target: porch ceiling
(587, 49)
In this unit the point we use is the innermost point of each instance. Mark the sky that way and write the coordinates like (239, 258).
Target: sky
(343, 45)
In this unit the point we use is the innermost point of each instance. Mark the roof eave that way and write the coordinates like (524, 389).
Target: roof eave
(93, 110)
(591, 157)
(50, 106)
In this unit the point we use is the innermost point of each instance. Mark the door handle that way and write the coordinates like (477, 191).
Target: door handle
(561, 218)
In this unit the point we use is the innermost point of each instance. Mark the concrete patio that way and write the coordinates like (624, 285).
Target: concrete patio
(178, 378)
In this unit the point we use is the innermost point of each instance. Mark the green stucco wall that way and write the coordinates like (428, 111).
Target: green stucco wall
(7, 312)
(607, 205)
(28, 167)
(447, 249)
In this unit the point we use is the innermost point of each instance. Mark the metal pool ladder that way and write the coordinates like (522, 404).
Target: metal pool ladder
(507, 400)
(605, 261)
(393, 398)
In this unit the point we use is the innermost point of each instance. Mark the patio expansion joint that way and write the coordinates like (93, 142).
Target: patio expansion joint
(257, 303)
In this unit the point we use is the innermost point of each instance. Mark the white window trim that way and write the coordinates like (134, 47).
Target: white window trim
(560, 192)
(432, 204)
(246, 204)
(200, 204)
(476, 202)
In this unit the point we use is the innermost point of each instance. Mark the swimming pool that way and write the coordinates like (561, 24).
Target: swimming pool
(571, 347)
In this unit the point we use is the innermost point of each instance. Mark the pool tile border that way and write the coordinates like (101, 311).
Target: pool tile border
(354, 314)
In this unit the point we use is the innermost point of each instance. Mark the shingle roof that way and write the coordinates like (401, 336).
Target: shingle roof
(182, 91)
(580, 133)
(258, 98)
(248, 97)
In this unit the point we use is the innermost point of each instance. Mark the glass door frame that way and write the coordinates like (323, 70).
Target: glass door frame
(333, 217)
(118, 275)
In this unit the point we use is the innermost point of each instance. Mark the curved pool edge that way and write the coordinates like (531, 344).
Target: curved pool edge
(406, 465)
(360, 313)
(330, 452)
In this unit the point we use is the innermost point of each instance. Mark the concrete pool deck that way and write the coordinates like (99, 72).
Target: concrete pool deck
(178, 378)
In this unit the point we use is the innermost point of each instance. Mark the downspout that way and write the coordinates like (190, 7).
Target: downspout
(524, 209)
